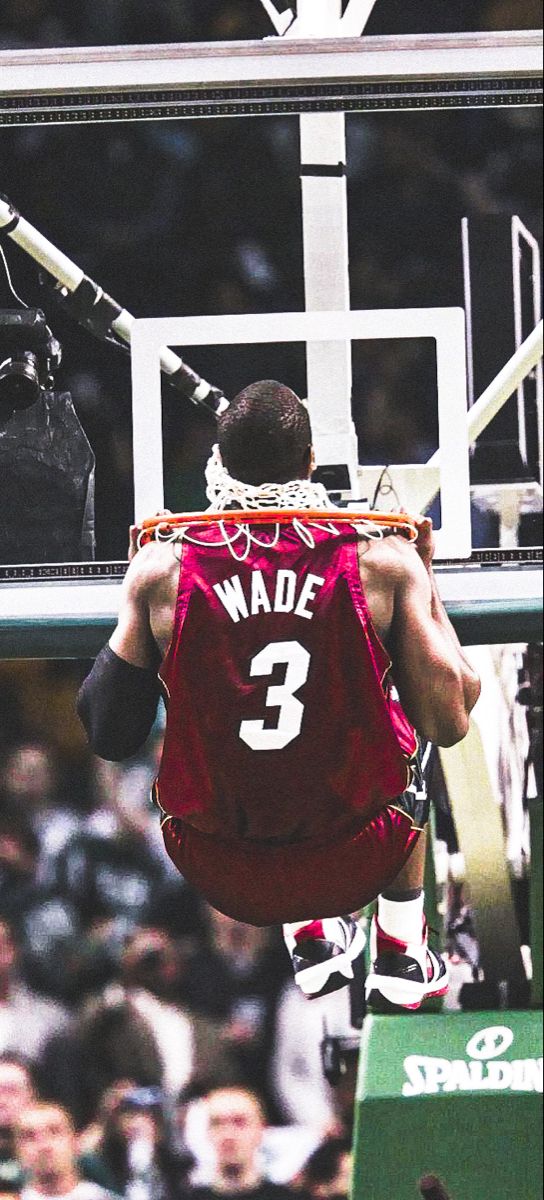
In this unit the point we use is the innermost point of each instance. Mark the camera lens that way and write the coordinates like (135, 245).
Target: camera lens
(19, 382)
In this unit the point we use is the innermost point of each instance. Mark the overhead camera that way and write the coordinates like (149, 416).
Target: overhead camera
(46, 462)
(29, 356)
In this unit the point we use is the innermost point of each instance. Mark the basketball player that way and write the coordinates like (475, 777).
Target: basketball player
(290, 783)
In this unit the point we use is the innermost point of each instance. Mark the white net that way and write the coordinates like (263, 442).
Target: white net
(225, 492)
(227, 495)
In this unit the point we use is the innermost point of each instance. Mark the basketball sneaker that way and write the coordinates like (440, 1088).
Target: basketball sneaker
(403, 974)
(323, 954)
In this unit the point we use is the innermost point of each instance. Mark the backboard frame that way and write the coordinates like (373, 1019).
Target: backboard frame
(446, 326)
(69, 612)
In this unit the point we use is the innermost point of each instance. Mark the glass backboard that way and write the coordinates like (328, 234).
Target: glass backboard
(198, 228)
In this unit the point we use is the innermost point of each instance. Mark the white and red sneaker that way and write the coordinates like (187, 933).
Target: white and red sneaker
(323, 954)
(403, 974)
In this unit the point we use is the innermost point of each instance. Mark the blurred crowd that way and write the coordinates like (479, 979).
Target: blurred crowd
(149, 1046)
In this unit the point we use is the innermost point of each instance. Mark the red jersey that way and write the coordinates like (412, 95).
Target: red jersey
(281, 725)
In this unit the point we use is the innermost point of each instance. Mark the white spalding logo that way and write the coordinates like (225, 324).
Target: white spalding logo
(481, 1071)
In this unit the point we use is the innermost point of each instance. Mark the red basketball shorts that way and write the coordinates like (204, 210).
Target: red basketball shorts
(267, 884)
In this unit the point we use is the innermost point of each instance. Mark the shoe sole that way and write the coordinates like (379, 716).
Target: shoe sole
(380, 1004)
(401, 993)
(319, 979)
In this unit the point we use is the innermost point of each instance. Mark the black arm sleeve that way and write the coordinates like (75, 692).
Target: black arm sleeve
(117, 704)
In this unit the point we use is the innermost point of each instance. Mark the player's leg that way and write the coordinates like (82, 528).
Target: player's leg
(323, 953)
(277, 884)
(405, 970)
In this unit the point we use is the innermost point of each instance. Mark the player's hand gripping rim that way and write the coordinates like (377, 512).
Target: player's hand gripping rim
(426, 540)
(135, 531)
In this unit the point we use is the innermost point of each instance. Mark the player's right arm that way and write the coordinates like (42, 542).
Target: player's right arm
(437, 686)
(117, 702)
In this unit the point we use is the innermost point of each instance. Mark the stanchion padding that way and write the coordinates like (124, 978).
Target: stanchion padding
(454, 1095)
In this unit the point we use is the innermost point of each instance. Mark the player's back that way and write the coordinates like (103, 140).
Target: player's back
(280, 722)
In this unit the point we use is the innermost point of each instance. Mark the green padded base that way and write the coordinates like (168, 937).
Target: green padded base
(455, 1095)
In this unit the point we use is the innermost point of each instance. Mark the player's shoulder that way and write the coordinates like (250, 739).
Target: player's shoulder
(152, 565)
(391, 558)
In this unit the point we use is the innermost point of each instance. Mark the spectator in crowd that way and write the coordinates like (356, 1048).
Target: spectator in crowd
(301, 1092)
(109, 1041)
(135, 1155)
(283, 1151)
(113, 869)
(47, 1149)
(149, 965)
(31, 790)
(19, 848)
(125, 1032)
(27, 1020)
(108, 869)
(108, 876)
(236, 1125)
(327, 1173)
(45, 925)
(236, 979)
(90, 1138)
(16, 1093)
(161, 966)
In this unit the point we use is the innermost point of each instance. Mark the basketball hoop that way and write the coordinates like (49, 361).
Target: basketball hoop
(240, 525)
(238, 507)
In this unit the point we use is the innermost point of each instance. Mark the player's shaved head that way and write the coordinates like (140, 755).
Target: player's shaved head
(265, 435)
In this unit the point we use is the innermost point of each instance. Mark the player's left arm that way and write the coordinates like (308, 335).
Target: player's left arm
(425, 547)
(117, 702)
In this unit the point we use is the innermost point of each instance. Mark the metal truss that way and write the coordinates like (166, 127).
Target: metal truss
(426, 72)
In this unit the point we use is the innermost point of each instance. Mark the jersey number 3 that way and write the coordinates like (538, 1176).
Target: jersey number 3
(297, 663)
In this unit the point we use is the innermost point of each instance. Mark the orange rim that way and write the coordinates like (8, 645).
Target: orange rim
(276, 516)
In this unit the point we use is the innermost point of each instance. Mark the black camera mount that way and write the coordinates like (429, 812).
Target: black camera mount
(29, 356)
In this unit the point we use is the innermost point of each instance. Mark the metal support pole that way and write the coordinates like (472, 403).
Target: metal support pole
(521, 234)
(325, 240)
(70, 277)
(326, 277)
(498, 392)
